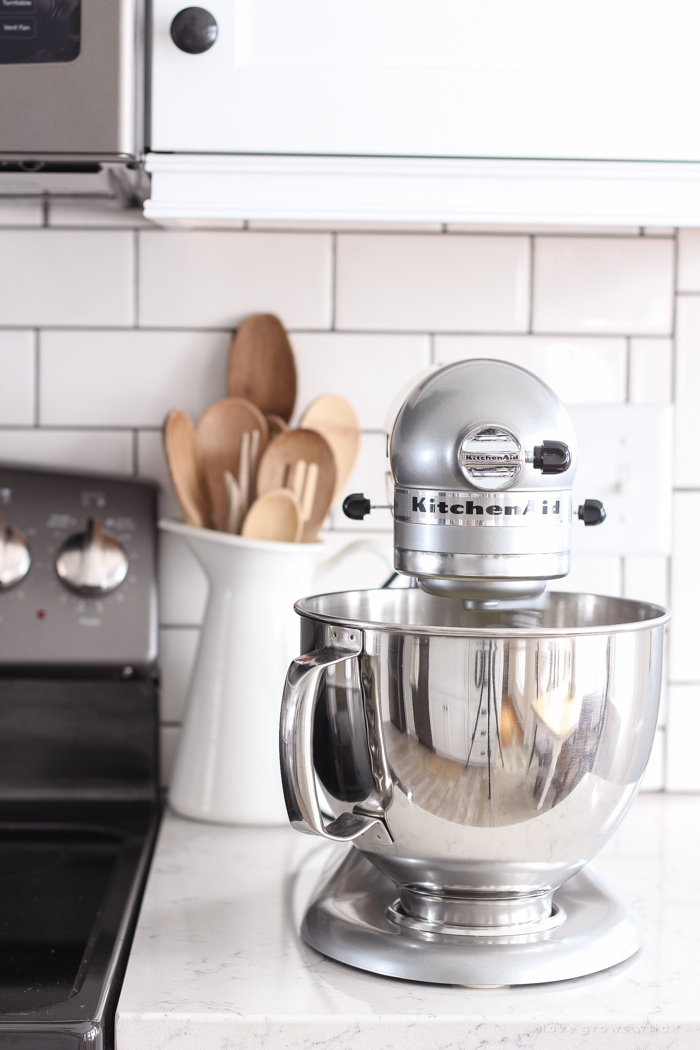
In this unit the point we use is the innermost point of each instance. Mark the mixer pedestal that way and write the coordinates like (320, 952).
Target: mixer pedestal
(355, 917)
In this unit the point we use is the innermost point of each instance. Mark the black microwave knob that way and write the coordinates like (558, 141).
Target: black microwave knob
(194, 30)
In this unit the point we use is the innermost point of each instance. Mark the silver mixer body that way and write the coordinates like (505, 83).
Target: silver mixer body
(478, 512)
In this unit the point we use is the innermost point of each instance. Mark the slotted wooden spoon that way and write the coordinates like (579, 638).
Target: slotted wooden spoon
(334, 418)
(219, 436)
(278, 470)
(261, 366)
(184, 465)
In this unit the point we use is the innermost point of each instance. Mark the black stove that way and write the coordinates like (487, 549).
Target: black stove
(79, 802)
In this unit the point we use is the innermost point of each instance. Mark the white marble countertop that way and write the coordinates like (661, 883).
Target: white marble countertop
(217, 963)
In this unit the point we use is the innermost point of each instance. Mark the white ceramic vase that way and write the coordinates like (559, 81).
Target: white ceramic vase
(227, 764)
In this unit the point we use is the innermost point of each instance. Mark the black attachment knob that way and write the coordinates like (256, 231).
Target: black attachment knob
(194, 30)
(551, 457)
(356, 506)
(592, 512)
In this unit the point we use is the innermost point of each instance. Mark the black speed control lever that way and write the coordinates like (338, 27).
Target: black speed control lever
(356, 506)
(592, 512)
(551, 457)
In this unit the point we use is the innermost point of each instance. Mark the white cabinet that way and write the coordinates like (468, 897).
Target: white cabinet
(334, 83)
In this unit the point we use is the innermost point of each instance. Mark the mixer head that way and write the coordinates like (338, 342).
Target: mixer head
(483, 456)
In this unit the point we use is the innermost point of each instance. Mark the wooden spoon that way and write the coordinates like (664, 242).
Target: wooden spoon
(278, 470)
(276, 424)
(275, 516)
(219, 436)
(261, 366)
(334, 418)
(184, 465)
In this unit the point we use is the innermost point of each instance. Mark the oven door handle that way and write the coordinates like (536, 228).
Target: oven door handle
(296, 744)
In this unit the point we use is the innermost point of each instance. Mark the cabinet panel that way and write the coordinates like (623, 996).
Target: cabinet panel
(440, 78)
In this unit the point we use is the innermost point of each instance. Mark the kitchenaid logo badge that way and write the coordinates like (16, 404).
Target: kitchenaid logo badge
(481, 508)
(487, 459)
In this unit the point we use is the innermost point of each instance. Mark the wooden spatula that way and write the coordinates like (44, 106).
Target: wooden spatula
(278, 470)
(334, 418)
(261, 366)
(186, 473)
(219, 437)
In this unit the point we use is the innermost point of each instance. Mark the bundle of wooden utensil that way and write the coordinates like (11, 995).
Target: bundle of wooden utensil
(241, 469)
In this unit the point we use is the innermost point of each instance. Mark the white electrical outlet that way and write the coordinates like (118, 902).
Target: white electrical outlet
(625, 460)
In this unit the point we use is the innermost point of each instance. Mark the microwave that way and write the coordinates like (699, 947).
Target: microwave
(72, 78)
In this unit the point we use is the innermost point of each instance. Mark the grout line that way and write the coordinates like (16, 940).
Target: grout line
(623, 575)
(137, 305)
(532, 284)
(431, 351)
(334, 276)
(628, 368)
(37, 374)
(511, 333)
(674, 314)
(135, 452)
(45, 210)
(180, 626)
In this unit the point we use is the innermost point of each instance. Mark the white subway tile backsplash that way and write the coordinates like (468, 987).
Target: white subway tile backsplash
(611, 285)
(183, 587)
(651, 371)
(369, 476)
(682, 732)
(67, 277)
(367, 315)
(86, 211)
(432, 283)
(646, 578)
(687, 468)
(215, 279)
(129, 378)
(581, 371)
(178, 649)
(95, 450)
(685, 588)
(17, 352)
(592, 574)
(150, 459)
(368, 370)
(688, 260)
(21, 212)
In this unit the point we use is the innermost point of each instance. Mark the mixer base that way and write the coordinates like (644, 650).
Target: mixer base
(350, 920)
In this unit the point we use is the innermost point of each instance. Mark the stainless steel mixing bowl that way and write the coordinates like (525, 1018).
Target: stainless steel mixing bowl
(479, 758)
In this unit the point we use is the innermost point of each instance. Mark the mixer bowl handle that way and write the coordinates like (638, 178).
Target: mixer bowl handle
(296, 744)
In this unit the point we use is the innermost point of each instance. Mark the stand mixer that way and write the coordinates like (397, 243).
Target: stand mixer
(477, 737)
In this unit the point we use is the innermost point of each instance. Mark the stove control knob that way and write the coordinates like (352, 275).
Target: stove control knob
(15, 558)
(92, 562)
